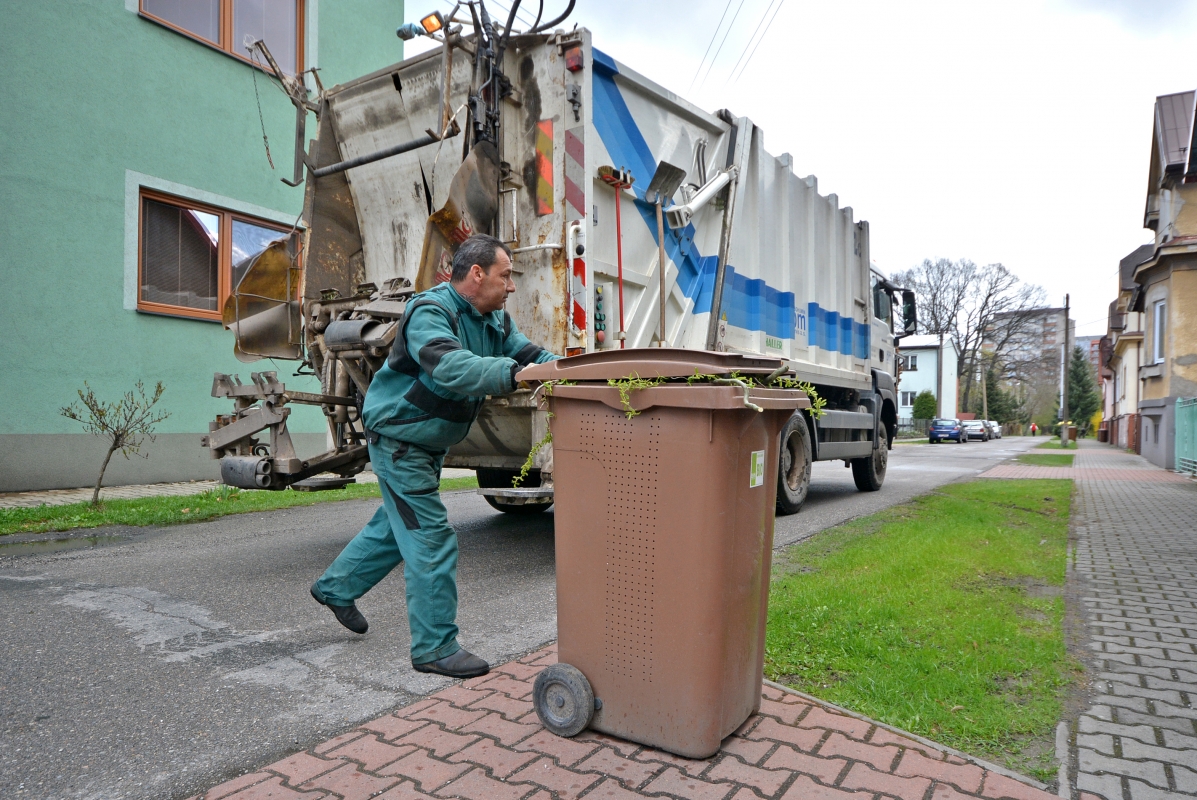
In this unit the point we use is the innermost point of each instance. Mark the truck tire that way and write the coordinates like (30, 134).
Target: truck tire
(502, 478)
(793, 468)
(869, 473)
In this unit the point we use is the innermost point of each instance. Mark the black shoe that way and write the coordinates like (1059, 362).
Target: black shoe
(461, 664)
(348, 615)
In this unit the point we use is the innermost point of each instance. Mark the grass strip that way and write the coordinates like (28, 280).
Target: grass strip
(1048, 459)
(218, 502)
(1054, 444)
(942, 616)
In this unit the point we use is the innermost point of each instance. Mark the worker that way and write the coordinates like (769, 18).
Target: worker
(455, 346)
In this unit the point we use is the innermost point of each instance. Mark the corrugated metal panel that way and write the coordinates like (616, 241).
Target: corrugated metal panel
(1174, 122)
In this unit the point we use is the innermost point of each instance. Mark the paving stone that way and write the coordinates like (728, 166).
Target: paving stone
(562, 782)
(690, 766)
(826, 770)
(350, 783)
(475, 785)
(610, 789)
(880, 756)
(628, 771)
(1143, 791)
(820, 718)
(428, 772)
(1000, 786)
(746, 749)
(510, 709)
(272, 789)
(803, 738)
(501, 761)
(301, 767)
(566, 751)
(963, 776)
(391, 727)
(787, 713)
(441, 743)
(862, 776)
(1092, 761)
(1166, 755)
(229, 787)
(766, 781)
(370, 752)
(1143, 733)
(674, 781)
(1107, 786)
(804, 788)
(507, 732)
(403, 791)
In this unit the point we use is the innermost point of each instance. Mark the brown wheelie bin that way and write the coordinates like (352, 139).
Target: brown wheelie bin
(664, 530)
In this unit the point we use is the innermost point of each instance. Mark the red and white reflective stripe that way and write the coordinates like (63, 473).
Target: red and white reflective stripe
(575, 201)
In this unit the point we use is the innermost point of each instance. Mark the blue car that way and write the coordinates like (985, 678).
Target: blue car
(947, 429)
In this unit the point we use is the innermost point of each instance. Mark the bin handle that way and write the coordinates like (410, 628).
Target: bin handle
(747, 389)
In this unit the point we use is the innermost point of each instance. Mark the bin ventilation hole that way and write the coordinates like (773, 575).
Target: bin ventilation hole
(630, 454)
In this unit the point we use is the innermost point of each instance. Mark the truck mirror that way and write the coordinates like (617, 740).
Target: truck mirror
(910, 313)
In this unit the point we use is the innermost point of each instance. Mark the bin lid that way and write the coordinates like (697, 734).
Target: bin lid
(648, 362)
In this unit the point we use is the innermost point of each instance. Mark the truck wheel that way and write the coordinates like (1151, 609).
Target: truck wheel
(501, 479)
(869, 473)
(793, 469)
(563, 699)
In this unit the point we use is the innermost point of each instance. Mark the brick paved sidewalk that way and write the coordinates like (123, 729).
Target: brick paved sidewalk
(61, 497)
(1136, 554)
(481, 740)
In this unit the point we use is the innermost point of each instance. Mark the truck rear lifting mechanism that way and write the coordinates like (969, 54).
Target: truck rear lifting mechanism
(635, 218)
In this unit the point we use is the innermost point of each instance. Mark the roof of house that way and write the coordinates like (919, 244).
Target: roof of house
(924, 341)
(1126, 267)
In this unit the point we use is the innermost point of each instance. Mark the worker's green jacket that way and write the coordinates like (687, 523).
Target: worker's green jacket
(446, 359)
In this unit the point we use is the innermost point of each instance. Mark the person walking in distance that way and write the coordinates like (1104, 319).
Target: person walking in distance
(1034, 429)
(455, 346)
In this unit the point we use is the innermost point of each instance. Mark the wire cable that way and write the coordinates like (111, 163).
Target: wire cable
(758, 41)
(714, 35)
(752, 38)
(719, 49)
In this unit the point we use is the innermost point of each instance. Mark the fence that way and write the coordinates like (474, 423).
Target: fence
(1186, 435)
(913, 427)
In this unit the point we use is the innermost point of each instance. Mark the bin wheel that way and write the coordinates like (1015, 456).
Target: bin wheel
(563, 699)
(793, 469)
(869, 473)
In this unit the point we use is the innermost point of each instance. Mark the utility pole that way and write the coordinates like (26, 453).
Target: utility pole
(984, 390)
(1064, 377)
(939, 378)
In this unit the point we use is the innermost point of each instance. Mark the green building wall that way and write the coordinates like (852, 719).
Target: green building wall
(99, 102)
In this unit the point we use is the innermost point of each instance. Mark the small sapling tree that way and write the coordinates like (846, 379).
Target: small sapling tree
(126, 424)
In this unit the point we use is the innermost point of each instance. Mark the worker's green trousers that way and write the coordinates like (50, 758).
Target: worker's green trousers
(410, 526)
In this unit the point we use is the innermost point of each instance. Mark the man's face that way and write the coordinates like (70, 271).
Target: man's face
(487, 289)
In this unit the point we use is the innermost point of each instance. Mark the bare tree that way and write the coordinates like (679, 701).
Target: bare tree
(963, 301)
(127, 423)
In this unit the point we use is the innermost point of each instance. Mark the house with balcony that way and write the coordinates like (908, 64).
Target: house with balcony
(1122, 354)
(1165, 293)
(137, 179)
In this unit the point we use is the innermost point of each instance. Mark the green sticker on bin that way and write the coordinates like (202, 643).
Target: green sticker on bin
(756, 471)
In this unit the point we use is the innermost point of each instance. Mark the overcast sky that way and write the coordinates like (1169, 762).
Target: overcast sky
(1016, 132)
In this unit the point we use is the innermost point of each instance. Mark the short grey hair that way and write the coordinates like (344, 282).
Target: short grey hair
(479, 249)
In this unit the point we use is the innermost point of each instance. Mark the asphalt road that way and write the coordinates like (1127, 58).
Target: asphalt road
(155, 663)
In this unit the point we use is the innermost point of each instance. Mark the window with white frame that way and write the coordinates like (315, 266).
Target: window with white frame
(908, 398)
(1159, 329)
(910, 363)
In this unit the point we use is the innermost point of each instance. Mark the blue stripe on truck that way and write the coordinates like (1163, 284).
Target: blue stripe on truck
(748, 303)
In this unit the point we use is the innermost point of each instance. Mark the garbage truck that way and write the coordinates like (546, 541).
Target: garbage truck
(635, 219)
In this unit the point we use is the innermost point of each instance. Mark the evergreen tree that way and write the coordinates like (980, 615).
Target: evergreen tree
(924, 405)
(1083, 399)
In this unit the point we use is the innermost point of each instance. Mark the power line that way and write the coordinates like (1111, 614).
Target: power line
(751, 38)
(758, 41)
(708, 50)
(719, 49)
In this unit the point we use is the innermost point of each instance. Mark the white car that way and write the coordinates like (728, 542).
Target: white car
(995, 429)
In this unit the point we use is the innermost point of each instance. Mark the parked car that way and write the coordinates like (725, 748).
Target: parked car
(976, 429)
(995, 428)
(946, 429)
